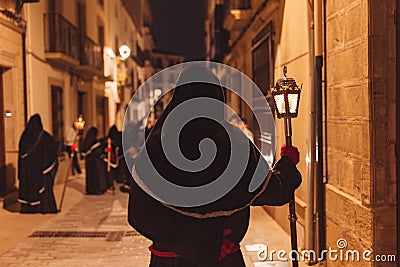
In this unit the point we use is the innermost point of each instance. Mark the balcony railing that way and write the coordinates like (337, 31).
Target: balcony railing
(91, 54)
(61, 37)
(66, 45)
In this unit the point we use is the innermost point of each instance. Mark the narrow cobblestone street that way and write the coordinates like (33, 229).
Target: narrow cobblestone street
(93, 231)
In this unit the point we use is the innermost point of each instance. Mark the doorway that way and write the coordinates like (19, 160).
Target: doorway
(101, 115)
(57, 116)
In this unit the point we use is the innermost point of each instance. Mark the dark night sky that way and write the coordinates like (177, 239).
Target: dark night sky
(178, 27)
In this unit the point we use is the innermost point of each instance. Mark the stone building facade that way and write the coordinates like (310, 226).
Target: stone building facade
(60, 59)
(354, 196)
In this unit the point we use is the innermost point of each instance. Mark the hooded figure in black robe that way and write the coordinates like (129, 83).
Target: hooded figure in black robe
(116, 157)
(208, 234)
(37, 168)
(92, 150)
(117, 166)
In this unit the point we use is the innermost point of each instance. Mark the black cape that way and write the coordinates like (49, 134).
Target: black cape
(37, 167)
(195, 232)
(92, 150)
(118, 166)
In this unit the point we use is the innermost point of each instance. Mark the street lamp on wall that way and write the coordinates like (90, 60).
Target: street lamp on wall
(124, 52)
(115, 69)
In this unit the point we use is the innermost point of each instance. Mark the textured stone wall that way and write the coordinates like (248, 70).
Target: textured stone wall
(361, 130)
(382, 73)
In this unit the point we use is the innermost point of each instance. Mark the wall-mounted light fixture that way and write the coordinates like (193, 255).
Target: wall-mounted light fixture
(8, 114)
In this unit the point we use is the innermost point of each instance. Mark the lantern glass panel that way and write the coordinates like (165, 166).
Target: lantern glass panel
(280, 103)
(293, 100)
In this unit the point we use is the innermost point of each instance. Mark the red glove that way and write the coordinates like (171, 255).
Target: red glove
(73, 147)
(108, 149)
(292, 152)
(227, 247)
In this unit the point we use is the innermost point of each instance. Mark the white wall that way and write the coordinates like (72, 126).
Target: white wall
(13, 97)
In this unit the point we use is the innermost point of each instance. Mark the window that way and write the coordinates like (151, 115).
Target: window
(54, 7)
(262, 60)
(81, 16)
(100, 29)
(101, 116)
(262, 51)
(57, 116)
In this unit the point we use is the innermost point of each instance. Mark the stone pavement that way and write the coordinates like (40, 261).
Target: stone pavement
(93, 230)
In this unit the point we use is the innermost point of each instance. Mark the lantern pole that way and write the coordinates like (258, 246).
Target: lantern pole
(282, 90)
(79, 125)
(288, 131)
(292, 204)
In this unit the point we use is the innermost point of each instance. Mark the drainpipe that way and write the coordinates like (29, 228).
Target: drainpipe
(311, 141)
(398, 128)
(24, 76)
(319, 13)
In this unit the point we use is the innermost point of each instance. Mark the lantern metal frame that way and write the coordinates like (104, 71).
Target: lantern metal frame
(79, 123)
(285, 87)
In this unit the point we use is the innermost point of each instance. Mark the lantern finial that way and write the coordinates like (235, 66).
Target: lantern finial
(284, 70)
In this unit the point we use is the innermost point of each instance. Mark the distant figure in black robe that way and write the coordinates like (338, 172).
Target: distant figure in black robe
(116, 157)
(37, 168)
(207, 235)
(131, 146)
(92, 150)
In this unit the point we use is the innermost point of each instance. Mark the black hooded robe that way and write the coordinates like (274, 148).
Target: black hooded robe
(117, 166)
(116, 160)
(37, 167)
(196, 233)
(92, 150)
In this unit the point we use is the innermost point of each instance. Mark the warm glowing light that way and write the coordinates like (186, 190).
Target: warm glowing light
(236, 13)
(157, 93)
(293, 100)
(124, 52)
(79, 123)
(109, 52)
(280, 103)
